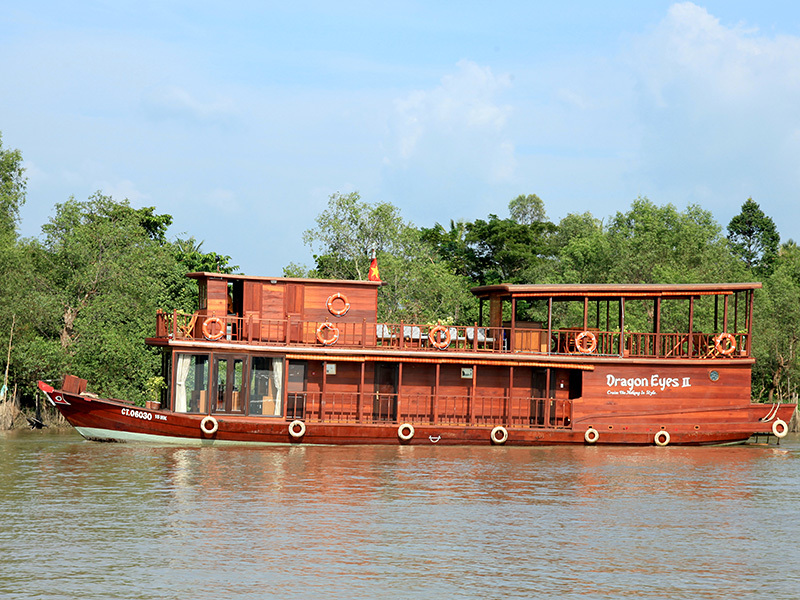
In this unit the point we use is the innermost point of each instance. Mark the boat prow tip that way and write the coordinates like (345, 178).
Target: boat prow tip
(46, 388)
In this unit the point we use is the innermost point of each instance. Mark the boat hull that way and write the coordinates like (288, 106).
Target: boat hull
(112, 420)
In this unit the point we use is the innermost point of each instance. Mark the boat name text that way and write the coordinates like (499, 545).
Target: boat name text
(139, 414)
(646, 386)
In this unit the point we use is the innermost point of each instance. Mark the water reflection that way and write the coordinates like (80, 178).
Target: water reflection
(121, 521)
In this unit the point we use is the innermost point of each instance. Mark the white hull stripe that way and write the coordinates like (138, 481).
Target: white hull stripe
(111, 435)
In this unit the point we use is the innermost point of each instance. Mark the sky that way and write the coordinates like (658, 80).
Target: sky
(241, 119)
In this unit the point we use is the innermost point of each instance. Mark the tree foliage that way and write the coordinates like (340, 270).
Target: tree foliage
(754, 238)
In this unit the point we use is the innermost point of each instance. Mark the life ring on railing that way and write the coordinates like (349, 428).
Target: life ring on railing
(503, 435)
(586, 347)
(405, 432)
(207, 326)
(439, 342)
(322, 338)
(780, 428)
(725, 337)
(591, 436)
(206, 421)
(337, 312)
(297, 433)
(661, 438)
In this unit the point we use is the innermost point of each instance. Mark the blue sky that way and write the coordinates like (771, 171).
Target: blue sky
(241, 120)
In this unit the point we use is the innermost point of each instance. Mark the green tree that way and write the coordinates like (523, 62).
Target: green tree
(102, 270)
(12, 191)
(660, 244)
(347, 232)
(584, 254)
(527, 210)
(754, 238)
(507, 251)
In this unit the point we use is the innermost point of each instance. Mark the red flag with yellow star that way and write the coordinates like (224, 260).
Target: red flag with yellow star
(373, 269)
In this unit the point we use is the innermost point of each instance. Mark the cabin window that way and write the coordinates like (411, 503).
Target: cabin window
(191, 383)
(203, 294)
(266, 386)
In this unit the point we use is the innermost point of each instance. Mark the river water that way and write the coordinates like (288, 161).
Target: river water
(88, 520)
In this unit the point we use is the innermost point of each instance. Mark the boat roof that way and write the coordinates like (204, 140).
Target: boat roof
(275, 280)
(611, 290)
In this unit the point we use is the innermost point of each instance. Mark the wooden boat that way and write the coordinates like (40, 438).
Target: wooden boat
(303, 361)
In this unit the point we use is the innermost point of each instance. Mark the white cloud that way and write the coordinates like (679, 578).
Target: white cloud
(170, 102)
(461, 124)
(718, 107)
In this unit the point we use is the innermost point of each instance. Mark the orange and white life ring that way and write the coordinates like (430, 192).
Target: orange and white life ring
(661, 438)
(591, 436)
(337, 312)
(780, 428)
(722, 348)
(499, 435)
(207, 328)
(405, 432)
(297, 429)
(438, 340)
(204, 425)
(322, 338)
(586, 342)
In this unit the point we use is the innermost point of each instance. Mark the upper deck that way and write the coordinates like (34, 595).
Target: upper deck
(690, 321)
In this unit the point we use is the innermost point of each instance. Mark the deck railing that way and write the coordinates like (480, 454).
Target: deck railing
(346, 407)
(439, 338)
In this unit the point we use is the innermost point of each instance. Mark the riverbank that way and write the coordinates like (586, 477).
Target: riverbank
(14, 417)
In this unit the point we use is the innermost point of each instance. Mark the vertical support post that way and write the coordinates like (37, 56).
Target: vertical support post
(549, 327)
(435, 403)
(399, 387)
(585, 313)
(750, 322)
(547, 400)
(657, 317)
(511, 342)
(510, 396)
(471, 416)
(323, 390)
(360, 403)
(622, 326)
(691, 324)
(725, 314)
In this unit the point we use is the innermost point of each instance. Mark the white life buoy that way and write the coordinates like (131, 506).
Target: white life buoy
(591, 435)
(204, 425)
(297, 433)
(503, 435)
(661, 438)
(405, 432)
(780, 428)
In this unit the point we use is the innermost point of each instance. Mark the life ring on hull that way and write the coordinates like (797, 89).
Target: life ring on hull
(297, 433)
(661, 438)
(436, 340)
(591, 436)
(583, 346)
(321, 336)
(725, 350)
(503, 435)
(337, 312)
(780, 428)
(207, 326)
(204, 425)
(405, 432)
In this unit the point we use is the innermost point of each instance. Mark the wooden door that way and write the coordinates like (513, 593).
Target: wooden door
(384, 407)
(229, 382)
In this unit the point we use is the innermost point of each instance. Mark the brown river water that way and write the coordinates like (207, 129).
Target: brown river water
(87, 520)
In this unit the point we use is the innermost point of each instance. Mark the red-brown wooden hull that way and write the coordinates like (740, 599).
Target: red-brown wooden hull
(110, 420)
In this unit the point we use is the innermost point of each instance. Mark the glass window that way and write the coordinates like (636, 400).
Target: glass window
(191, 383)
(266, 386)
